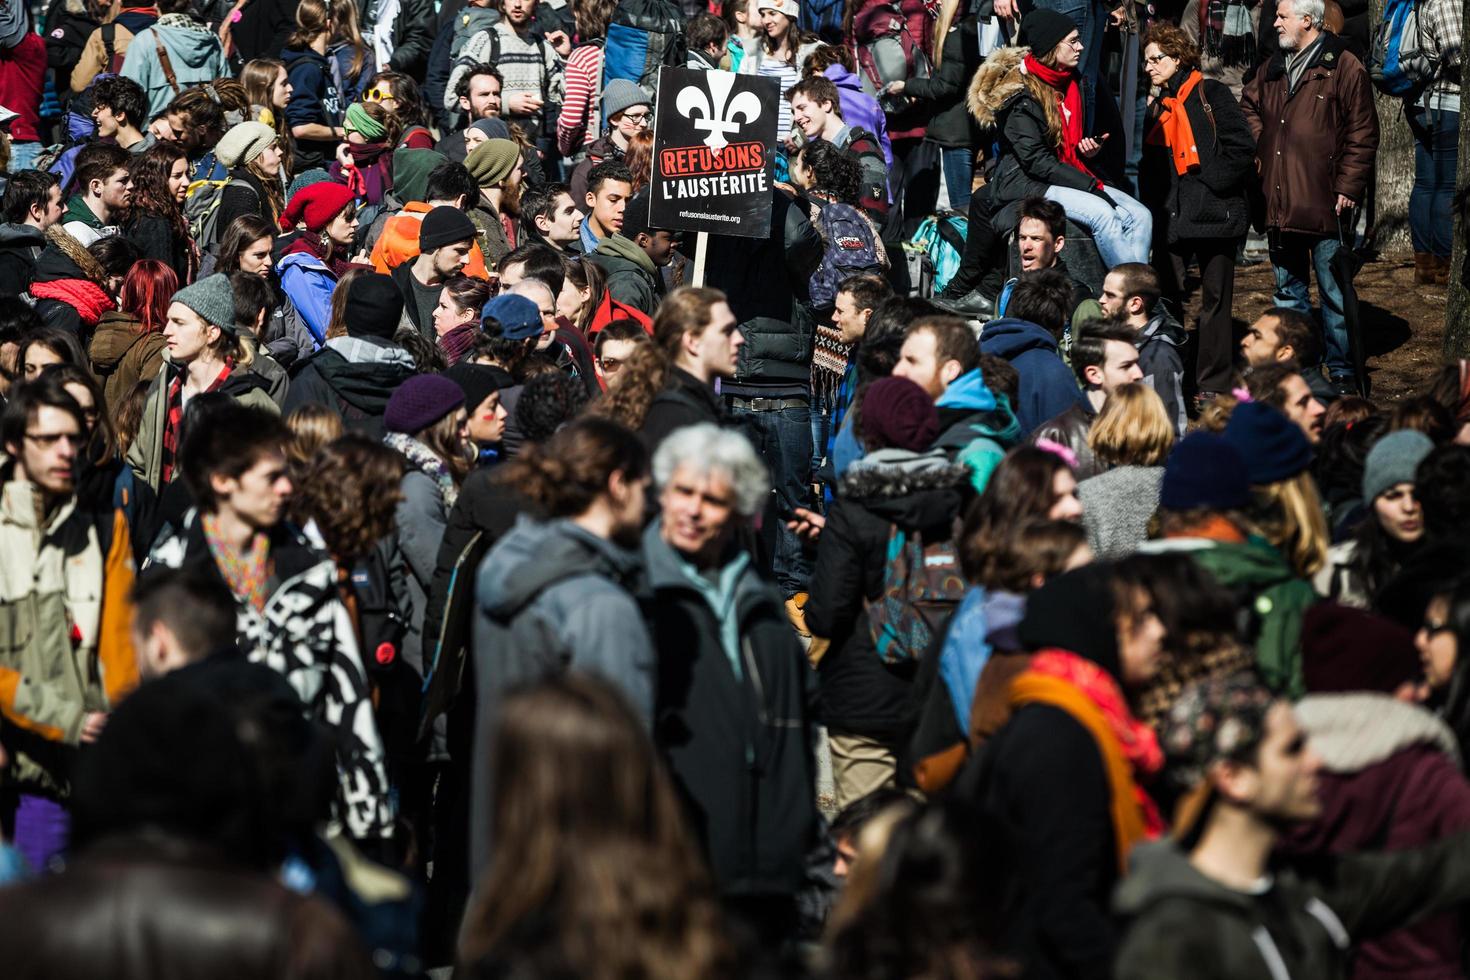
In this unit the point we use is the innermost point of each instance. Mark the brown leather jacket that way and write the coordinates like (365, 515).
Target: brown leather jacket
(1315, 143)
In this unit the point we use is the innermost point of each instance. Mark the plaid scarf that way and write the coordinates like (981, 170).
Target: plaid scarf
(174, 418)
(829, 363)
(1225, 31)
(247, 572)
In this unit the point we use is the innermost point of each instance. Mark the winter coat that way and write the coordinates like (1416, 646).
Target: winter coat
(1048, 386)
(122, 355)
(399, 242)
(1209, 202)
(738, 742)
(314, 99)
(354, 377)
(684, 401)
(285, 336)
(244, 194)
(193, 50)
(419, 522)
(632, 277)
(413, 36)
(1262, 581)
(1117, 506)
(1070, 429)
(20, 246)
(64, 600)
(22, 78)
(94, 60)
(490, 233)
(552, 597)
(951, 124)
(308, 283)
(1316, 143)
(67, 27)
(1389, 781)
(306, 634)
(145, 455)
(1027, 162)
(1160, 344)
(81, 222)
(860, 109)
(920, 493)
(157, 239)
(1185, 924)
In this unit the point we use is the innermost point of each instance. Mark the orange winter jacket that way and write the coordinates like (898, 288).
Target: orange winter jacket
(399, 242)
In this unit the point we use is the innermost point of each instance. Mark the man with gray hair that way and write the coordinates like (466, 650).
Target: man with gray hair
(1311, 111)
(730, 705)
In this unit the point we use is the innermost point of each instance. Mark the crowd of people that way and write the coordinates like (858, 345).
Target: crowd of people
(409, 560)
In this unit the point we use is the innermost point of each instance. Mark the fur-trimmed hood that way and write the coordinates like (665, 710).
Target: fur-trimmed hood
(1354, 731)
(888, 474)
(997, 82)
(69, 260)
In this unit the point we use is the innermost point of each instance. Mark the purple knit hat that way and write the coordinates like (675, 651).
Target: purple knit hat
(421, 401)
(898, 414)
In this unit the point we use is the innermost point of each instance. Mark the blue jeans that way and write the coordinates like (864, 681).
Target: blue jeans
(783, 439)
(959, 176)
(1122, 233)
(1431, 202)
(1293, 258)
(23, 156)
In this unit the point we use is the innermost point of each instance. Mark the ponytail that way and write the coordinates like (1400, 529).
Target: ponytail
(567, 473)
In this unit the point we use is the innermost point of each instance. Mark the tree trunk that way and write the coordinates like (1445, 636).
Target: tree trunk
(1394, 167)
(1457, 302)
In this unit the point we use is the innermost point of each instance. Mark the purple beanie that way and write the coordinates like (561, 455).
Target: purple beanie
(898, 414)
(421, 401)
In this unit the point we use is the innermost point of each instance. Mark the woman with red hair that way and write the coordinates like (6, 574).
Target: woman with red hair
(128, 344)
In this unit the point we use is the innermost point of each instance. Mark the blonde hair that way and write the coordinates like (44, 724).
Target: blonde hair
(346, 30)
(1133, 428)
(942, 23)
(863, 880)
(312, 18)
(1290, 516)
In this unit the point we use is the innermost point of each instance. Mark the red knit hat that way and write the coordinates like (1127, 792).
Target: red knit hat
(316, 205)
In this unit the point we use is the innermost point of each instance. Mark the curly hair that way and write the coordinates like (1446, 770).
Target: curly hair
(1174, 43)
(350, 489)
(150, 173)
(834, 172)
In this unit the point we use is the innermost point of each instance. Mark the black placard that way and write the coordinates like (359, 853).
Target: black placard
(714, 143)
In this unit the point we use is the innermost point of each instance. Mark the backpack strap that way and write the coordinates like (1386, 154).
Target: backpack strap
(166, 64)
(108, 32)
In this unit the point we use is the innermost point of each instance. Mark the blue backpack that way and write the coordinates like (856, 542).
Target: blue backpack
(1401, 63)
(822, 18)
(644, 36)
(943, 237)
(850, 246)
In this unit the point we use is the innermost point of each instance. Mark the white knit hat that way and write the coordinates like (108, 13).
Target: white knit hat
(790, 8)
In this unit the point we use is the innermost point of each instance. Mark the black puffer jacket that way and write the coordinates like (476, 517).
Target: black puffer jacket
(859, 694)
(685, 401)
(943, 92)
(1210, 203)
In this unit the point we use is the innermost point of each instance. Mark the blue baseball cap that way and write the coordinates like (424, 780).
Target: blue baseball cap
(519, 318)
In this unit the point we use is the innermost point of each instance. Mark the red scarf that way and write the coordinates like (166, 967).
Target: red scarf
(87, 298)
(1174, 131)
(1069, 103)
(1140, 744)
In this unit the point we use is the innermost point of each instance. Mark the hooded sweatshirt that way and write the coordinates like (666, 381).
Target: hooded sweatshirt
(1159, 345)
(122, 355)
(976, 426)
(859, 108)
(552, 596)
(20, 246)
(353, 376)
(193, 51)
(1048, 386)
(314, 99)
(632, 277)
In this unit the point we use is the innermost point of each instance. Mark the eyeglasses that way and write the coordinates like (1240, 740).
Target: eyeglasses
(1433, 629)
(1154, 59)
(48, 439)
(638, 117)
(610, 365)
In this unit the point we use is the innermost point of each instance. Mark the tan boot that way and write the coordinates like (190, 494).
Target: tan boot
(794, 612)
(1423, 269)
(1441, 270)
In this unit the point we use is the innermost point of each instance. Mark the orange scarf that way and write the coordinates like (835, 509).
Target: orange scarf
(1173, 129)
(1134, 816)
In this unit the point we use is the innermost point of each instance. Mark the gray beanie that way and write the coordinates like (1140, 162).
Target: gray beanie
(1392, 460)
(213, 299)
(622, 94)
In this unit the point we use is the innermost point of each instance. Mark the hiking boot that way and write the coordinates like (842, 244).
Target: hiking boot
(1441, 270)
(1424, 268)
(794, 612)
(974, 305)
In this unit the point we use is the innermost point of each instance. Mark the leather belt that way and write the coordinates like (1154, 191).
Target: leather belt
(767, 404)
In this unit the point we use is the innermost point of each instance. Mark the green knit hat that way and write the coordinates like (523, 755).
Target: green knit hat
(493, 161)
(213, 299)
(411, 169)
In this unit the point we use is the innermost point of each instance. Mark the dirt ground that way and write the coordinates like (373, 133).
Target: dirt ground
(1403, 324)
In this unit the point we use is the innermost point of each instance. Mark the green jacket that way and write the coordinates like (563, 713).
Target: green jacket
(1277, 602)
(632, 277)
(77, 210)
(1183, 924)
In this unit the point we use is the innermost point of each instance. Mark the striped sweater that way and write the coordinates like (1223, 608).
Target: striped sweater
(579, 121)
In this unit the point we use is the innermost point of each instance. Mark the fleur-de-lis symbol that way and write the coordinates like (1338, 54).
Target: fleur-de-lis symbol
(725, 115)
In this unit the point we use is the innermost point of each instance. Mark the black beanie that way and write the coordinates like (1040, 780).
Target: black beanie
(445, 226)
(1075, 612)
(1042, 30)
(374, 306)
